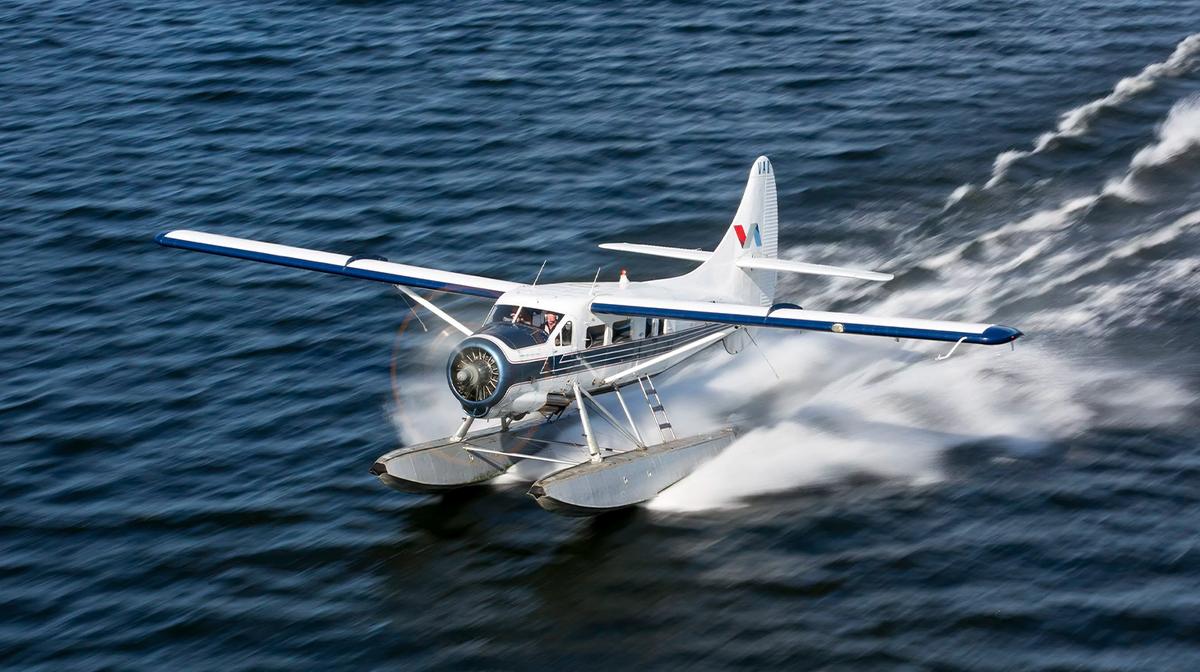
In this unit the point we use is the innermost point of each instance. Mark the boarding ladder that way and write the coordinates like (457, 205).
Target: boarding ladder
(656, 407)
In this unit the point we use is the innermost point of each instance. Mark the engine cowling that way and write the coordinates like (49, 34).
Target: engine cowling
(478, 374)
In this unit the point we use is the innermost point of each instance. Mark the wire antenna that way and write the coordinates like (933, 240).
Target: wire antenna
(764, 355)
(596, 279)
(412, 309)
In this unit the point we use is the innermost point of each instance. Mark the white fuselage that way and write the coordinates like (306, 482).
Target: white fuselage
(582, 348)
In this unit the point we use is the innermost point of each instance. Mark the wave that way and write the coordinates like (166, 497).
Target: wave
(1083, 316)
(1078, 121)
(1178, 134)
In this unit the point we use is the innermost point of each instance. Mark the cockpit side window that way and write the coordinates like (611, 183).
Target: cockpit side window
(564, 334)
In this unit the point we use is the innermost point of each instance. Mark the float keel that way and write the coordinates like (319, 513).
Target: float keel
(627, 479)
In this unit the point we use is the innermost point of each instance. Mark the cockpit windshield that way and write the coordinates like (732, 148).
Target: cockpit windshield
(545, 320)
(520, 326)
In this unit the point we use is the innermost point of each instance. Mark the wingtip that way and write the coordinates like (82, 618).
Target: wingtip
(998, 334)
(174, 237)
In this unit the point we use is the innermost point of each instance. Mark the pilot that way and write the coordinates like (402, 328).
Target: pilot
(551, 322)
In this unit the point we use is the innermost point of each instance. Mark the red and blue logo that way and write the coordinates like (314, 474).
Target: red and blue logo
(742, 237)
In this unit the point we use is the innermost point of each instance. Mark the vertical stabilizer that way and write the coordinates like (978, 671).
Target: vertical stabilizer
(754, 232)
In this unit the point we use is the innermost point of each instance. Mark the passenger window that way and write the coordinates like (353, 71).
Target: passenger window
(594, 336)
(622, 331)
(647, 331)
(564, 335)
(660, 327)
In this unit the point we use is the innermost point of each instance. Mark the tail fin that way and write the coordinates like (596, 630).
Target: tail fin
(754, 232)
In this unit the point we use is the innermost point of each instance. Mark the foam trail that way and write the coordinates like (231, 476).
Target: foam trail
(1083, 318)
(1176, 136)
(960, 192)
(862, 406)
(1078, 121)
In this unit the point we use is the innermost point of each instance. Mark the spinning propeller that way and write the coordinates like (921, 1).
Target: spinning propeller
(474, 373)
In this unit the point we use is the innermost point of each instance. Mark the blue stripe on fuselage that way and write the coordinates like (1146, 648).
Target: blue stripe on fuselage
(621, 353)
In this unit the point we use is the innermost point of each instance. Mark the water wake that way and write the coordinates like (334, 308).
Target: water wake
(861, 406)
(1078, 121)
(893, 417)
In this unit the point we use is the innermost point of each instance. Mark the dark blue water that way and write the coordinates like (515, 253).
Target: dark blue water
(185, 439)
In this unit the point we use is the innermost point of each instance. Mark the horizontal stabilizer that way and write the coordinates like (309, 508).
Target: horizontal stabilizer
(811, 320)
(750, 263)
(659, 251)
(786, 266)
(339, 264)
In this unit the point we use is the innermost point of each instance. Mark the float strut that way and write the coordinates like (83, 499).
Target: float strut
(593, 449)
(629, 416)
(462, 429)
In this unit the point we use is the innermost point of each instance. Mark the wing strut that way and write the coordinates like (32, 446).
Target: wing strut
(446, 317)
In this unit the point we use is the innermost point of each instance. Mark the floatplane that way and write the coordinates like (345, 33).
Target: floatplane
(546, 347)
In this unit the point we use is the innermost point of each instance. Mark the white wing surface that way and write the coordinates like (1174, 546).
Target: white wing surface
(787, 316)
(338, 264)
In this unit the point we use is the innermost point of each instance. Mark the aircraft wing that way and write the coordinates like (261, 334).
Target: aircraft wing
(365, 268)
(787, 316)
